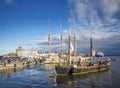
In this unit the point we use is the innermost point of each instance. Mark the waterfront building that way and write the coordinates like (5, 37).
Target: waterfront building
(20, 52)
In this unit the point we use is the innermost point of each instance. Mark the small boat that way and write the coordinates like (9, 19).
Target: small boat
(79, 67)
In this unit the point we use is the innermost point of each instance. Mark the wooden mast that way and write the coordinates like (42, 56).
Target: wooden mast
(61, 40)
(90, 49)
(74, 47)
(74, 52)
(48, 39)
(61, 53)
(69, 61)
(74, 42)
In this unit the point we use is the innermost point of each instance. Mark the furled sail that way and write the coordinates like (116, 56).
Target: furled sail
(92, 49)
(71, 48)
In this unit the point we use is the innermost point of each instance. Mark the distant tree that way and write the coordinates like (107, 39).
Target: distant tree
(11, 54)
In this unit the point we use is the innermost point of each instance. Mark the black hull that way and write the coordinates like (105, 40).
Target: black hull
(70, 70)
(86, 70)
(62, 70)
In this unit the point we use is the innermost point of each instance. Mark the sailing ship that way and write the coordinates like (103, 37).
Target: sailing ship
(82, 66)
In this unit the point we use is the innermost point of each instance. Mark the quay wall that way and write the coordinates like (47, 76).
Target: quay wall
(15, 65)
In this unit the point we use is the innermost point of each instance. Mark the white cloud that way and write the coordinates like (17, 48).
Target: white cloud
(39, 41)
(110, 7)
(89, 18)
(91, 15)
(96, 18)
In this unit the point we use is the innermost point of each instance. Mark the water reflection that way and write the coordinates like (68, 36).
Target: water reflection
(83, 81)
(43, 76)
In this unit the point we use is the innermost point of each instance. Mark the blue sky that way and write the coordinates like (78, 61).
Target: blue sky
(26, 22)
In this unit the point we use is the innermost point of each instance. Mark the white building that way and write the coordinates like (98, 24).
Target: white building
(27, 53)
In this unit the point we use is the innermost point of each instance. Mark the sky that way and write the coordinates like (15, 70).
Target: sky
(26, 23)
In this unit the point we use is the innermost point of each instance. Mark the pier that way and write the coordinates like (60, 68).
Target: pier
(16, 65)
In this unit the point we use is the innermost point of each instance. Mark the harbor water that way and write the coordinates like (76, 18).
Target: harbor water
(43, 76)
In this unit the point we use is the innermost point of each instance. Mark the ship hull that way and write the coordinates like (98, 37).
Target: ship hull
(62, 70)
(89, 69)
(70, 70)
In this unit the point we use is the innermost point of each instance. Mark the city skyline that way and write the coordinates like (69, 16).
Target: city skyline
(26, 22)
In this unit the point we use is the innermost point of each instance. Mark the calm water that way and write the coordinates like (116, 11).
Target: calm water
(42, 76)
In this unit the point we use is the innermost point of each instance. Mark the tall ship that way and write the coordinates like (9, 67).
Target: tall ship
(80, 65)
